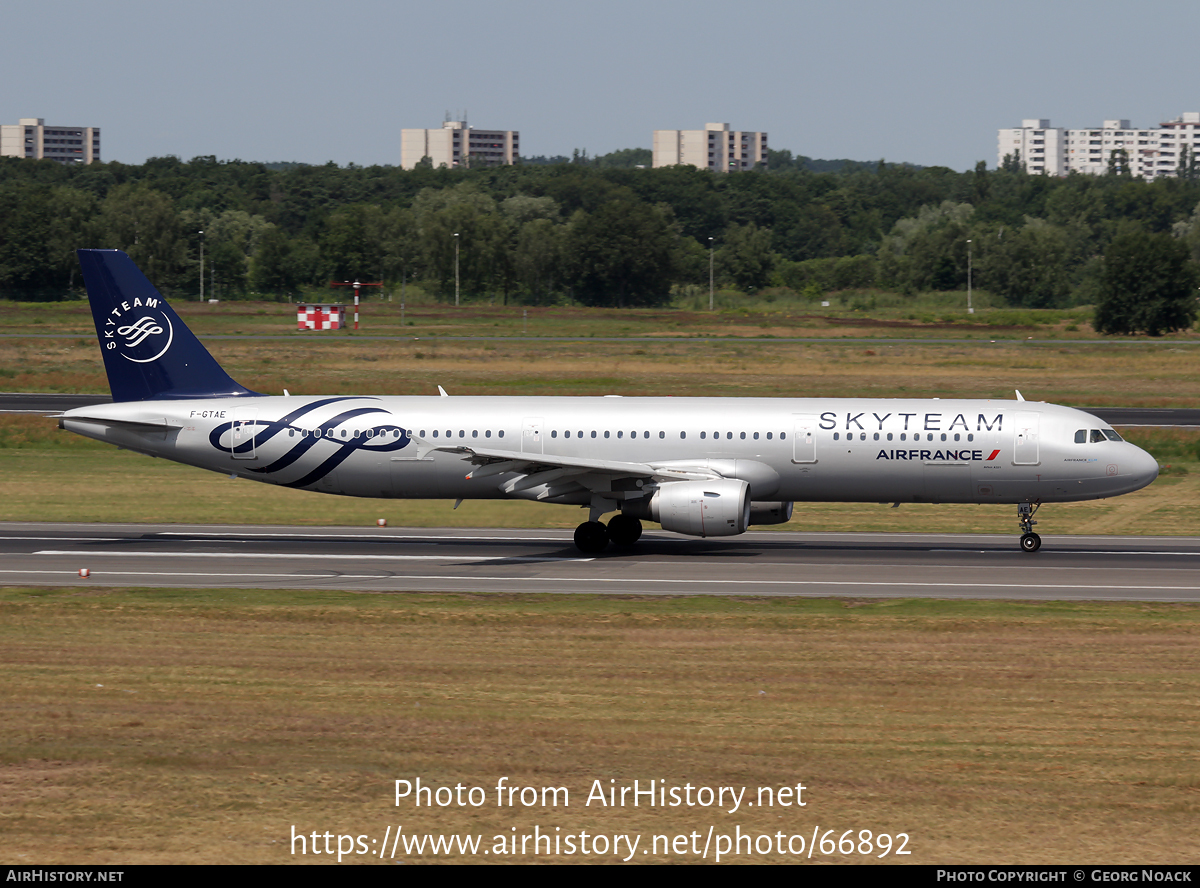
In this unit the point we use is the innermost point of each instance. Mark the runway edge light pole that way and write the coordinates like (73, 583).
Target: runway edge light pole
(710, 274)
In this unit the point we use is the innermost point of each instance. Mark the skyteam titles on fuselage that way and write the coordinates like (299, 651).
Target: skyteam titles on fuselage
(930, 422)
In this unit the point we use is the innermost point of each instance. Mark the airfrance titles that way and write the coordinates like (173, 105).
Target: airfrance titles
(939, 455)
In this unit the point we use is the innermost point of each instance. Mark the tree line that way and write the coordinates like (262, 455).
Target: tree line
(596, 231)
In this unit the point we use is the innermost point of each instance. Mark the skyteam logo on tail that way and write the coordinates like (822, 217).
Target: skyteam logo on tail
(140, 330)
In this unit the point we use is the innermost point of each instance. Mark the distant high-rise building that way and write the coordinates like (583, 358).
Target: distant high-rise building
(33, 139)
(458, 145)
(1150, 153)
(716, 147)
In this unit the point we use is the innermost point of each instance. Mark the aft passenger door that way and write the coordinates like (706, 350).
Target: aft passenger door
(242, 436)
(531, 434)
(804, 438)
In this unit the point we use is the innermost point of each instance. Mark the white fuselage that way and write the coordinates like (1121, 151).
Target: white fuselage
(804, 450)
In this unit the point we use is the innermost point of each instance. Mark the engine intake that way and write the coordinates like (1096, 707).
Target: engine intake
(720, 507)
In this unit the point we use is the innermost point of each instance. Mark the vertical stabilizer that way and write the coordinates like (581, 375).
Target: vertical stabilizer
(148, 351)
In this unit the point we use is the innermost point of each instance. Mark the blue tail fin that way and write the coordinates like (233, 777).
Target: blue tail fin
(148, 351)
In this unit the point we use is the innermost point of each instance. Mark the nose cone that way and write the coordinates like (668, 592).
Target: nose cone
(1143, 468)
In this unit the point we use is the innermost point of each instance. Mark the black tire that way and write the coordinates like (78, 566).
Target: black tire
(624, 530)
(591, 537)
(1031, 542)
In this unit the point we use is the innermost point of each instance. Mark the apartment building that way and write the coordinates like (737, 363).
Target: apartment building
(716, 147)
(31, 138)
(458, 145)
(1056, 151)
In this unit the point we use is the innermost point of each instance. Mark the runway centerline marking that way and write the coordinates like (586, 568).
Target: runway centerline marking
(362, 536)
(299, 556)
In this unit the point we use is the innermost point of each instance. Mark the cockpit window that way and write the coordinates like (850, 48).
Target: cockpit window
(1096, 436)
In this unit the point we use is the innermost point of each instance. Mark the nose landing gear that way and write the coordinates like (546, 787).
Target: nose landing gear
(1030, 541)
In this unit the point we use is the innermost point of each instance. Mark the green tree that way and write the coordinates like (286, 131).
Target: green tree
(626, 158)
(745, 257)
(1148, 285)
(538, 258)
(482, 234)
(282, 265)
(1188, 231)
(353, 245)
(26, 234)
(621, 255)
(1189, 166)
(1118, 164)
(227, 265)
(143, 222)
(1027, 267)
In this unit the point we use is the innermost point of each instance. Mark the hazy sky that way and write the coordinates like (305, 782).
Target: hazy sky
(924, 81)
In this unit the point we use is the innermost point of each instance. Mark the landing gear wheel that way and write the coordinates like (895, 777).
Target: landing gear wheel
(624, 530)
(591, 537)
(1030, 541)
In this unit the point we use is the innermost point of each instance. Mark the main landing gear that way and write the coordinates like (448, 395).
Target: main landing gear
(1030, 541)
(593, 537)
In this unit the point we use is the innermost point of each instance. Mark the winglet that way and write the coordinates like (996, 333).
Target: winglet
(442, 392)
(1020, 397)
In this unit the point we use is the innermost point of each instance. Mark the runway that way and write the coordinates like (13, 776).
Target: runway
(960, 566)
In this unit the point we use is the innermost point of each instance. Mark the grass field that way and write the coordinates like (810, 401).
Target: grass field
(146, 726)
(1079, 373)
(854, 313)
(154, 726)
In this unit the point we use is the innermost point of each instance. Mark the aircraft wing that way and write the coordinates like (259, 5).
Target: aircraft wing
(561, 472)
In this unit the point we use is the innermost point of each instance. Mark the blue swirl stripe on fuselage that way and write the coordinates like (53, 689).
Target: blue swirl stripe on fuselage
(268, 429)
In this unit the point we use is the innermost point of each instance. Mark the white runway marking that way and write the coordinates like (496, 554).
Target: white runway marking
(365, 536)
(521, 558)
(151, 573)
(1050, 552)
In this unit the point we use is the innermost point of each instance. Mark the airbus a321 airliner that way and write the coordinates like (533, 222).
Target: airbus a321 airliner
(698, 466)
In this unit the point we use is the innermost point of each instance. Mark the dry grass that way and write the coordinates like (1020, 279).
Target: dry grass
(194, 726)
(905, 319)
(1079, 374)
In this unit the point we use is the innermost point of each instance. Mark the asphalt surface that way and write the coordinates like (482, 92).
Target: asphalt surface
(44, 403)
(505, 561)
(34, 402)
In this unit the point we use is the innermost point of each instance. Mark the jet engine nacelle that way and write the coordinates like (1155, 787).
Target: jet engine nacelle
(720, 507)
(770, 513)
